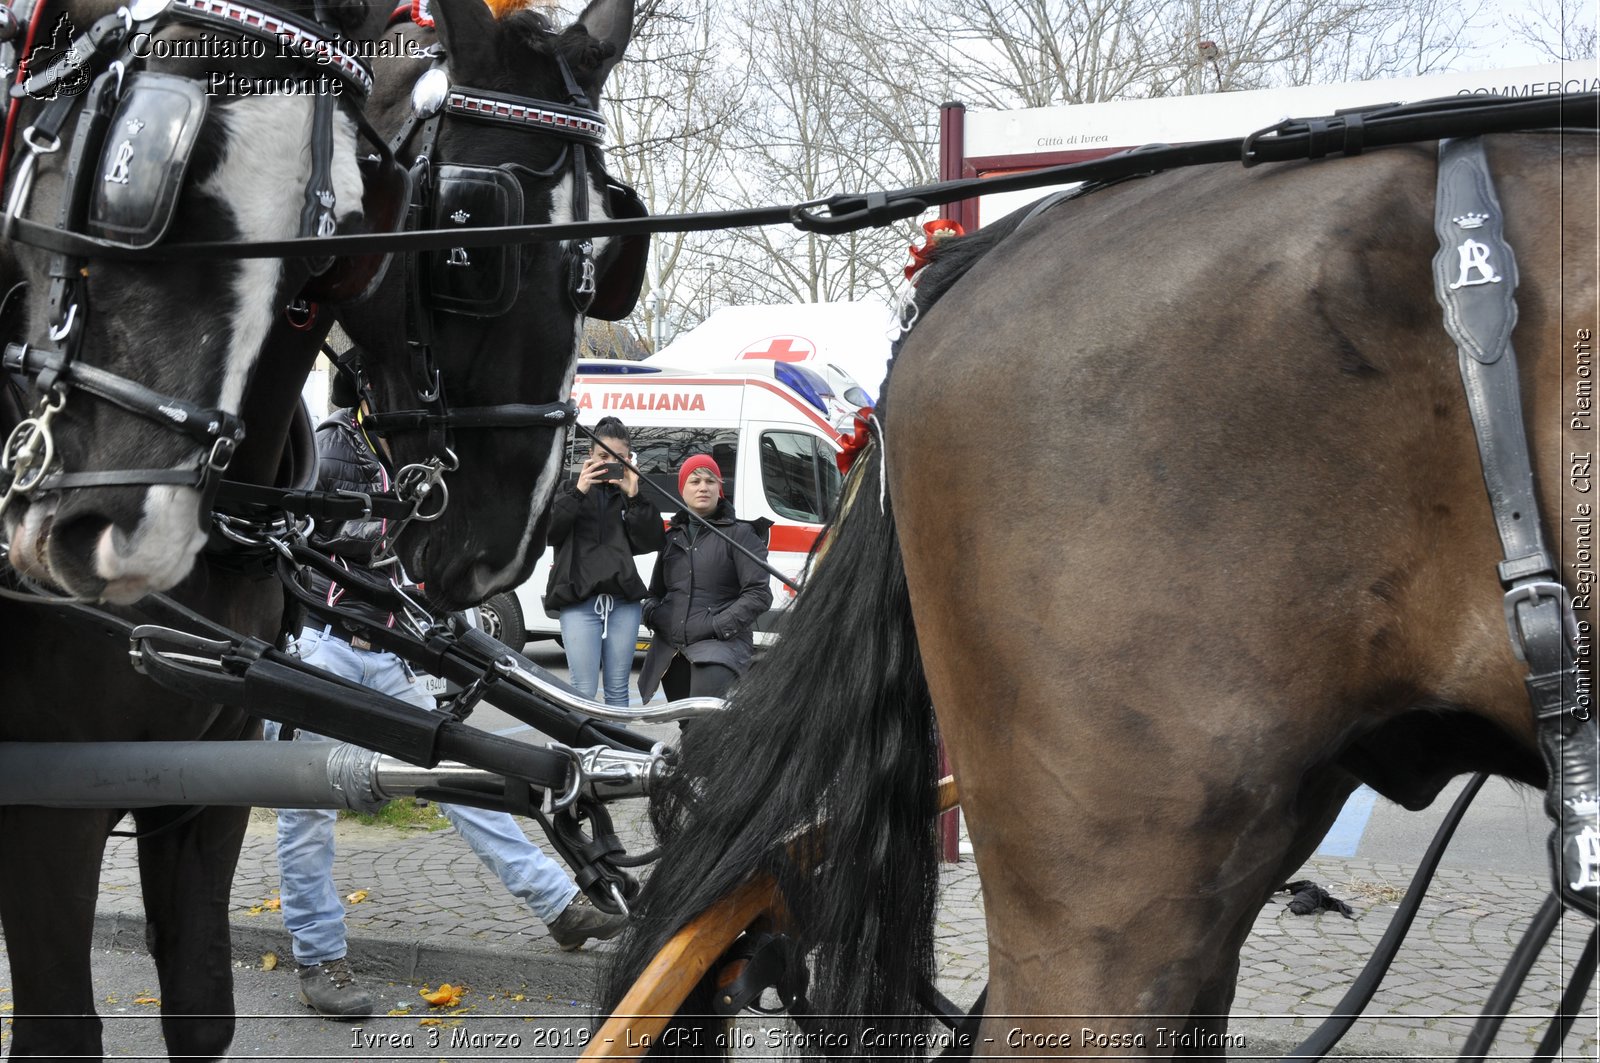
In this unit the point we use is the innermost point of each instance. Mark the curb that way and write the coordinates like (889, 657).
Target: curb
(533, 971)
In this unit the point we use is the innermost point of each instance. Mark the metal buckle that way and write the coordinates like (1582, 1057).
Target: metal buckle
(357, 496)
(552, 803)
(1531, 593)
(63, 330)
(221, 455)
(30, 137)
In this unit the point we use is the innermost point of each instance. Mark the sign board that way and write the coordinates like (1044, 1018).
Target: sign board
(998, 142)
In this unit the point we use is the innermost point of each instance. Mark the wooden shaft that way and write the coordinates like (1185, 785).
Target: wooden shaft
(665, 984)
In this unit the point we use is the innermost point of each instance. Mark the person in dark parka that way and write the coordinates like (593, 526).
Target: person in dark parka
(705, 596)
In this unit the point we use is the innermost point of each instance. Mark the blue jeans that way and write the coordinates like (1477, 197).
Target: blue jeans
(312, 910)
(600, 635)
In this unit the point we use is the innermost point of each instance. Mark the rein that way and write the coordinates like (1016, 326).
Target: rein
(1295, 139)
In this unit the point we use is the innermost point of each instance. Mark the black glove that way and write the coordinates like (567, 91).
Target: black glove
(1309, 897)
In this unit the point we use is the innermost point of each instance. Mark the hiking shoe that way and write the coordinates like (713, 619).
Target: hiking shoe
(580, 921)
(330, 990)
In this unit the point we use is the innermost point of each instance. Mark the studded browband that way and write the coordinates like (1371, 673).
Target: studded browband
(279, 26)
(577, 123)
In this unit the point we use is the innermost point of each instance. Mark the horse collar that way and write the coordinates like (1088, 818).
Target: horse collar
(1475, 276)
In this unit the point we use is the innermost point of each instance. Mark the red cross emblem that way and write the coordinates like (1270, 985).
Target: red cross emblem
(780, 349)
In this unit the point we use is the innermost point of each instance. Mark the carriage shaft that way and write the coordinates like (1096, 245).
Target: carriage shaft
(260, 774)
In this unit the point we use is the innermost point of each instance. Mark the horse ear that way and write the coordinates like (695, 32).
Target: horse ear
(465, 26)
(610, 22)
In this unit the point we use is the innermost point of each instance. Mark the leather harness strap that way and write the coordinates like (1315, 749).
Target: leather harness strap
(1475, 278)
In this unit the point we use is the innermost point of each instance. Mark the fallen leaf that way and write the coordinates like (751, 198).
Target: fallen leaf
(430, 1022)
(400, 1011)
(271, 904)
(446, 996)
(269, 961)
(112, 1000)
(147, 1000)
(357, 897)
(517, 996)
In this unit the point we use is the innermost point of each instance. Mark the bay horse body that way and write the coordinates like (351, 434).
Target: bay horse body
(1221, 552)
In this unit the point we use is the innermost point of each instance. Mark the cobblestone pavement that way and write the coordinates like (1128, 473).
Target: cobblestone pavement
(432, 911)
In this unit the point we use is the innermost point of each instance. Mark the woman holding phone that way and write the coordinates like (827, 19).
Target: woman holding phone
(597, 524)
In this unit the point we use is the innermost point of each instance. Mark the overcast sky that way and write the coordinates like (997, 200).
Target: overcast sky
(1501, 48)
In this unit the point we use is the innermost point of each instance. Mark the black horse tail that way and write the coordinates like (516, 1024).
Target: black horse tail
(833, 726)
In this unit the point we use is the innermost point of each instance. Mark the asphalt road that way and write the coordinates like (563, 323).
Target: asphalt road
(490, 1022)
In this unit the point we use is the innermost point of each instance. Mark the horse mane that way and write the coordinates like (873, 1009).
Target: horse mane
(533, 26)
(954, 256)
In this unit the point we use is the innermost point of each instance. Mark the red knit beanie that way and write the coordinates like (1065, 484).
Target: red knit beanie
(694, 463)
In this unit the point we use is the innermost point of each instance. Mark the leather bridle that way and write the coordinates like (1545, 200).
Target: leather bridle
(91, 119)
(434, 100)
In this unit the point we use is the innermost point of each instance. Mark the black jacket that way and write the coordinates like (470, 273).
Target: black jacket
(705, 597)
(346, 462)
(595, 536)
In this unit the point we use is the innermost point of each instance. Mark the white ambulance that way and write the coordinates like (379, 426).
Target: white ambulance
(772, 427)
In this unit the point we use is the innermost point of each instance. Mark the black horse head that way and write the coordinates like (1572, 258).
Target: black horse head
(141, 365)
(489, 327)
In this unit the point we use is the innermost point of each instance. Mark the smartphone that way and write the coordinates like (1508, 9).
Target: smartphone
(610, 471)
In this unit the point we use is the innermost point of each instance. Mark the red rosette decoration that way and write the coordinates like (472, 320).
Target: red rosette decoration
(921, 254)
(852, 445)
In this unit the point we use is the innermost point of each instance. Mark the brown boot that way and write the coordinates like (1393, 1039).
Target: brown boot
(331, 990)
(580, 921)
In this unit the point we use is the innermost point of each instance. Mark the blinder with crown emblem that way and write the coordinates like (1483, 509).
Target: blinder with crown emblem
(485, 281)
(144, 157)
